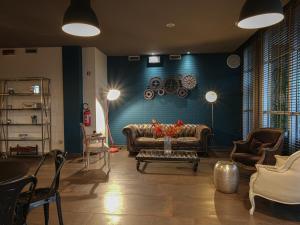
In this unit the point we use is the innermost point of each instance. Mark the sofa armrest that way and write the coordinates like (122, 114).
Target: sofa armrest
(202, 131)
(130, 131)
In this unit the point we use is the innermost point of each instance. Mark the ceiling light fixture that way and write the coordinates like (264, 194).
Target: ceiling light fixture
(80, 19)
(170, 25)
(257, 14)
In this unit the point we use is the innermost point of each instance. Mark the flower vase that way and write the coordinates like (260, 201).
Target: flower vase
(167, 145)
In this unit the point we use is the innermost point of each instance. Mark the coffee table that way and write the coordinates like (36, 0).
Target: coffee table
(159, 155)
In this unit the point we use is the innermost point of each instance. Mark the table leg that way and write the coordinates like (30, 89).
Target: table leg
(138, 165)
(195, 166)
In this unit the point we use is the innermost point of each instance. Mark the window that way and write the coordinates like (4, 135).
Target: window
(271, 79)
(280, 80)
(248, 85)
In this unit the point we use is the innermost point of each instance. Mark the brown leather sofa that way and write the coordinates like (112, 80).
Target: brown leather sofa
(259, 148)
(191, 137)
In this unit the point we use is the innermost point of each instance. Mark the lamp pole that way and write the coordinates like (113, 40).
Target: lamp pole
(212, 117)
(211, 97)
(112, 95)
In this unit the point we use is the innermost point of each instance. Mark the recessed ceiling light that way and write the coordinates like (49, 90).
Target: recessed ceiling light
(170, 25)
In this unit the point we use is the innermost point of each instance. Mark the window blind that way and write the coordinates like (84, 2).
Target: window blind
(248, 86)
(280, 106)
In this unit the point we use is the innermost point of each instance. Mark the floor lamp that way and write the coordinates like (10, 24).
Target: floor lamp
(112, 95)
(211, 97)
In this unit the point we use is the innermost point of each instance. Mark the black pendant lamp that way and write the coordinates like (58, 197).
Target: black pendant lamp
(80, 19)
(257, 14)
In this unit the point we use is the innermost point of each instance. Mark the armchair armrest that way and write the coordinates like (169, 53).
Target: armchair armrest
(260, 167)
(95, 137)
(280, 160)
(240, 146)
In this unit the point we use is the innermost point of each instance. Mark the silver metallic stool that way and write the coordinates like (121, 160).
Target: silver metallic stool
(226, 176)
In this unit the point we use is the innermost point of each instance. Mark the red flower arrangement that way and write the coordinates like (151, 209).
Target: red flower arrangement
(167, 131)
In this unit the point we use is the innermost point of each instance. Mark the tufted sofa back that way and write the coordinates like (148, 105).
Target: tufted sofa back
(146, 130)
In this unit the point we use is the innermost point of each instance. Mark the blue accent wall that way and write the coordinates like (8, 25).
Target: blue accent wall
(212, 74)
(72, 86)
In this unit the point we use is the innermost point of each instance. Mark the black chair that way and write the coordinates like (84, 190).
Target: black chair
(45, 196)
(9, 194)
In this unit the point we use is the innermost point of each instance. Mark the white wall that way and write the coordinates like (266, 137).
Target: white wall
(95, 86)
(101, 89)
(46, 63)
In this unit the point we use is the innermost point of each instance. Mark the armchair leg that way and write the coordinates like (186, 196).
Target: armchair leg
(108, 161)
(58, 207)
(46, 213)
(252, 201)
(88, 160)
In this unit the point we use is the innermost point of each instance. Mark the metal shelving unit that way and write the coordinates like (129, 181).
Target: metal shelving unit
(14, 93)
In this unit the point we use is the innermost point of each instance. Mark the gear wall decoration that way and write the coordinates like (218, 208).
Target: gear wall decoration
(171, 85)
(179, 86)
(161, 92)
(155, 83)
(189, 82)
(149, 94)
(182, 92)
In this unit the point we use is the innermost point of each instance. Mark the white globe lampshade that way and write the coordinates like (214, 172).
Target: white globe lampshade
(113, 94)
(211, 96)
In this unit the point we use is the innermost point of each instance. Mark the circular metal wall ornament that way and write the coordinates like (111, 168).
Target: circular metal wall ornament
(171, 85)
(182, 92)
(161, 92)
(155, 83)
(189, 82)
(149, 94)
(233, 61)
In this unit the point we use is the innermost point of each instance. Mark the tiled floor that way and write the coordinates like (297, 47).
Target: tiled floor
(165, 194)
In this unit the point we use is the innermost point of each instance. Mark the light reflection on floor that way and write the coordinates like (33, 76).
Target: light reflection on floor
(113, 200)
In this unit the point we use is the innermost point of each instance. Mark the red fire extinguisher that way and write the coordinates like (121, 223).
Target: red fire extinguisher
(87, 116)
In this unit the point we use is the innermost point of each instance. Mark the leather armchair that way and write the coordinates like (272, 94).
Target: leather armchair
(279, 183)
(259, 148)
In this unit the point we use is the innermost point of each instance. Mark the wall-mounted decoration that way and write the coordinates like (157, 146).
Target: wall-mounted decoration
(149, 94)
(233, 61)
(182, 92)
(180, 86)
(171, 85)
(155, 83)
(161, 92)
(189, 82)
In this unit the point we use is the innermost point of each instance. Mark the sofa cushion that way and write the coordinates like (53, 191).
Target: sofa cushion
(246, 158)
(149, 141)
(186, 141)
(159, 142)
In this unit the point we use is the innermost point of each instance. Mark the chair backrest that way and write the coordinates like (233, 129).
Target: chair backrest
(268, 135)
(9, 193)
(84, 140)
(60, 158)
(293, 162)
